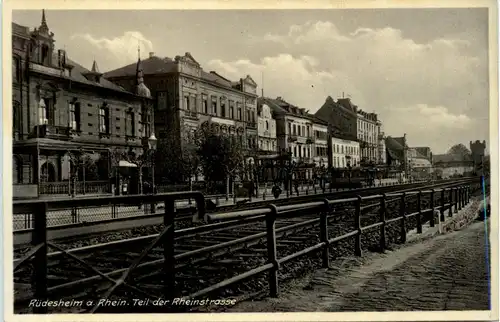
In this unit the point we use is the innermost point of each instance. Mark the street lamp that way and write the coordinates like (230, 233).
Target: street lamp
(152, 143)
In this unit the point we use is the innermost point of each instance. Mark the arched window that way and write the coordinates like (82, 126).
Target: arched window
(42, 112)
(267, 125)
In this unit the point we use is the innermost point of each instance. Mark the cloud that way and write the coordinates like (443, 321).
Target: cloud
(118, 51)
(441, 84)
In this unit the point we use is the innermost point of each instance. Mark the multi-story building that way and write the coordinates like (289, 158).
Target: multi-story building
(320, 146)
(345, 153)
(340, 116)
(419, 165)
(266, 128)
(477, 149)
(187, 96)
(61, 109)
(382, 157)
(368, 134)
(294, 130)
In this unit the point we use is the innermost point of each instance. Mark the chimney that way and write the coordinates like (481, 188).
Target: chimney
(151, 54)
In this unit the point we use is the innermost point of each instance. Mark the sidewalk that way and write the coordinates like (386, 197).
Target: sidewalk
(447, 272)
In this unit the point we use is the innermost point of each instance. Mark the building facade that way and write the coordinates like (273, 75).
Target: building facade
(340, 116)
(294, 131)
(320, 147)
(382, 153)
(266, 128)
(345, 153)
(62, 110)
(368, 134)
(477, 149)
(187, 96)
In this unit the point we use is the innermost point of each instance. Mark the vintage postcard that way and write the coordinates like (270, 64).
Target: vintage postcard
(239, 160)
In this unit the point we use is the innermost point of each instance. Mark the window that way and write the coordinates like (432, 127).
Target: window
(231, 109)
(74, 116)
(289, 128)
(16, 117)
(267, 125)
(249, 119)
(104, 119)
(205, 105)
(294, 130)
(42, 112)
(186, 103)
(214, 107)
(15, 69)
(222, 108)
(147, 123)
(294, 151)
(240, 115)
(130, 125)
(45, 54)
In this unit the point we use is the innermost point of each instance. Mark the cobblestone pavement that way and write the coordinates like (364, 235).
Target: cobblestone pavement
(447, 272)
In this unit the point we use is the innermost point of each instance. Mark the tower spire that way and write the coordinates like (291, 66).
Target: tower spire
(43, 26)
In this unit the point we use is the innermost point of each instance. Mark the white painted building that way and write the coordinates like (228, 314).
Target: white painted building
(368, 129)
(266, 129)
(344, 151)
(320, 146)
(382, 157)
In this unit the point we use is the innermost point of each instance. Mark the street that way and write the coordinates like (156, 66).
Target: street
(447, 272)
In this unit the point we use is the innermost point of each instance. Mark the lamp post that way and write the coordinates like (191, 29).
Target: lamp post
(152, 144)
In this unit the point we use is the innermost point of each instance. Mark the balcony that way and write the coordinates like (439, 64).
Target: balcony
(310, 140)
(191, 114)
(252, 125)
(292, 138)
(51, 132)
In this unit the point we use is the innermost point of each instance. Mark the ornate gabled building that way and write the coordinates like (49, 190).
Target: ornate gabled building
(61, 109)
(187, 96)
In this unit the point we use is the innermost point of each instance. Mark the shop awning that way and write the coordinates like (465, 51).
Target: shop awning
(126, 164)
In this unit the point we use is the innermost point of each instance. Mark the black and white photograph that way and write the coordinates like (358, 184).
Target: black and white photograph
(251, 160)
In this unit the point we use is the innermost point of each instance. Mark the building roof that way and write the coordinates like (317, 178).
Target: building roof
(150, 66)
(443, 158)
(154, 65)
(77, 74)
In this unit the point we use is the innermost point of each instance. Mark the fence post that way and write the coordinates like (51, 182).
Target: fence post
(456, 200)
(441, 211)
(432, 221)
(450, 209)
(419, 209)
(272, 256)
(382, 220)
(357, 226)
(168, 249)
(402, 213)
(459, 200)
(324, 233)
(464, 203)
(40, 278)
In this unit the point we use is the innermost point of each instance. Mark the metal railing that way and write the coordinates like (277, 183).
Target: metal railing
(457, 196)
(64, 188)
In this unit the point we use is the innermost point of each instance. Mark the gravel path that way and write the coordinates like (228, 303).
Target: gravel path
(447, 272)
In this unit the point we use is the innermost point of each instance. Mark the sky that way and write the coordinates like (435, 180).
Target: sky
(424, 71)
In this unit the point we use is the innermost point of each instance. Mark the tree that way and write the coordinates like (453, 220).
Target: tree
(460, 149)
(81, 165)
(177, 158)
(220, 154)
